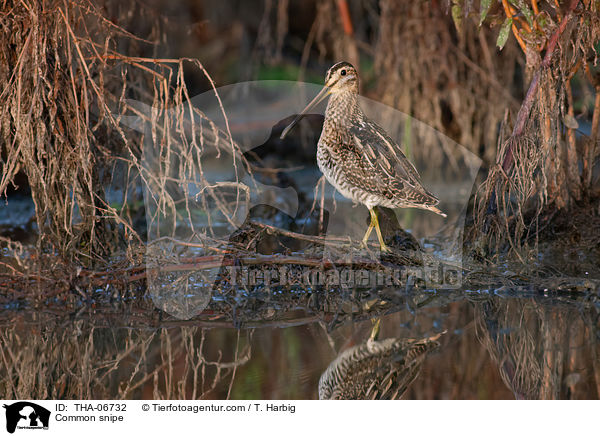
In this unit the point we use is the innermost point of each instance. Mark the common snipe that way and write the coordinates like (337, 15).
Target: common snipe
(375, 370)
(359, 158)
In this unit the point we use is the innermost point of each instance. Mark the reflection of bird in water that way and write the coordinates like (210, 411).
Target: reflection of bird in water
(359, 158)
(375, 370)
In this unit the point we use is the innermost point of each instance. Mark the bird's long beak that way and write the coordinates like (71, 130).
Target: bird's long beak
(315, 101)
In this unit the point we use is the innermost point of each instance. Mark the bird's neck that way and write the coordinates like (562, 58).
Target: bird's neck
(342, 107)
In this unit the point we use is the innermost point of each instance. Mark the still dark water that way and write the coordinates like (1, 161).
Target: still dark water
(496, 345)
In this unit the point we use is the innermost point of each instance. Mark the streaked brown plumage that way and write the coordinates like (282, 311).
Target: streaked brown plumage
(359, 158)
(375, 370)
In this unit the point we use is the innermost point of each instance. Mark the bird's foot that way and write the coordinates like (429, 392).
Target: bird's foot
(384, 248)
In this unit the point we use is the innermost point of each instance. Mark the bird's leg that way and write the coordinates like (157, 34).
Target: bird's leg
(375, 329)
(365, 238)
(375, 223)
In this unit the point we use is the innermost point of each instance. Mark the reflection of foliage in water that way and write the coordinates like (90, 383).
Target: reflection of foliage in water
(543, 351)
(82, 361)
(538, 346)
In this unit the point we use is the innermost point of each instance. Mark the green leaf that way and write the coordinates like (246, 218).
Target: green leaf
(484, 7)
(457, 15)
(503, 35)
(524, 10)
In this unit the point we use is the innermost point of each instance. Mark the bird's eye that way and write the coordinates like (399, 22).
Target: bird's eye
(343, 73)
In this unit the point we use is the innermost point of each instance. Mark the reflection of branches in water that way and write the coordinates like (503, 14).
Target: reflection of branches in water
(542, 351)
(97, 363)
(511, 349)
(592, 318)
(256, 307)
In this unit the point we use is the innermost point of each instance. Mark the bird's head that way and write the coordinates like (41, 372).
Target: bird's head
(342, 77)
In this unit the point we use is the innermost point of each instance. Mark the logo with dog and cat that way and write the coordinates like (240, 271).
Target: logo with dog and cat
(24, 415)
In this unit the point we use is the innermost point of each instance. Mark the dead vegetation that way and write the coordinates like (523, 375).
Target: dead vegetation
(73, 74)
(90, 109)
(538, 163)
(67, 91)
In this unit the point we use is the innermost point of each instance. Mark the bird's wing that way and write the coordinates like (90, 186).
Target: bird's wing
(381, 154)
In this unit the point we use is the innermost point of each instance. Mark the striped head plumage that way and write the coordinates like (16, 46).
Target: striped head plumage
(342, 77)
